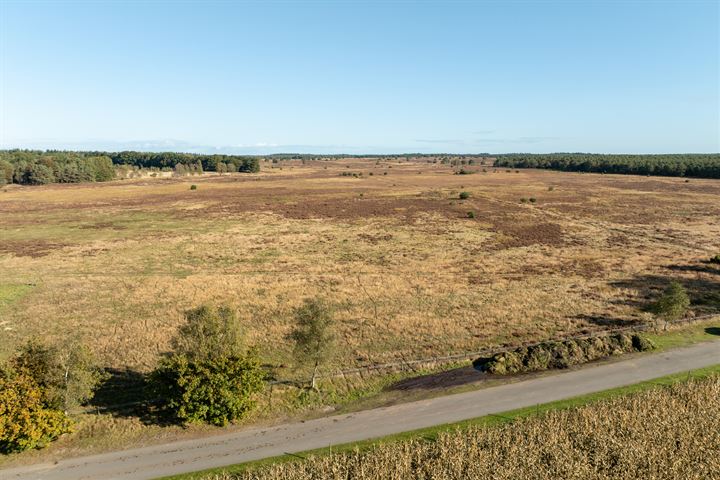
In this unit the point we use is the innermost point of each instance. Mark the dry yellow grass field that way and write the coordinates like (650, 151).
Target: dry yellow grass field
(412, 275)
(663, 433)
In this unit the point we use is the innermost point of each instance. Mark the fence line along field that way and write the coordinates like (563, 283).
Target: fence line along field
(662, 433)
(415, 267)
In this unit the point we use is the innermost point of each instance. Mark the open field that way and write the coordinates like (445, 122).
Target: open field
(117, 264)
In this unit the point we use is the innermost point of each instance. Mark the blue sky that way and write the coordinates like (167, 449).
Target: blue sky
(361, 77)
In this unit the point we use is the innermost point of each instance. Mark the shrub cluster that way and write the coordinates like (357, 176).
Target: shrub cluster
(67, 376)
(215, 390)
(209, 377)
(26, 421)
(672, 304)
(554, 355)
(37, 388)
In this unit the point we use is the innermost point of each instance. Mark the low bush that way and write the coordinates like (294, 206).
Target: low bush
(215, 390)
(558, 355)
(193, 187)
(715, 259)
(464, 195)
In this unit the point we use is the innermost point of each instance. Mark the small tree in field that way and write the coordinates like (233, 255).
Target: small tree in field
(313, 335)
(67, 375)
(673, 303)
(209, 331)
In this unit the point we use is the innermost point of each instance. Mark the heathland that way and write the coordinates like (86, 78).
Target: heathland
(418, 260)
(415, 271)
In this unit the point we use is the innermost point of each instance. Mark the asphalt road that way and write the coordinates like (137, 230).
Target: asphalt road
(252, 444)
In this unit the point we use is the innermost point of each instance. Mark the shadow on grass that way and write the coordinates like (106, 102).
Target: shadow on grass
(703, 288)
(445, 379)
(604, 321)
(126, 393)
(706, 267)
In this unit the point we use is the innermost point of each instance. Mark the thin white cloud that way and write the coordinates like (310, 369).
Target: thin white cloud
(431, 140)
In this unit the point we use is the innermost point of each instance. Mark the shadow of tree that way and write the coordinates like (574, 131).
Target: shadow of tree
(126, 393)
(706, 267)
(444, 379)
(607, 322)
(703, 288)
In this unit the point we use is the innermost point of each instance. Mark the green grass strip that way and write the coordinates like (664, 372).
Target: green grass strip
(431, 433)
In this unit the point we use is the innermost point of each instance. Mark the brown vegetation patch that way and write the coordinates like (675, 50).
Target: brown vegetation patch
(585, 268)
(524, 233)
(30, 248)
(375, 239)
(103, 226)
(302, 205)
(355, 208)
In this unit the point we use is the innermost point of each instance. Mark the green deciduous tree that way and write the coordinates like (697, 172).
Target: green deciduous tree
(67, 375)
(208, 332)
(6, 172)
(672, 304)
(217, 390)
(313, 334)
(210, 376)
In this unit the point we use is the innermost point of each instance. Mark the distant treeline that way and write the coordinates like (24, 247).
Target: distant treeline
(35, 167)
(671, 165)
(209, 163)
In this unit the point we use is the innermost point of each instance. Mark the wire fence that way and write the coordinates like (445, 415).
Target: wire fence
(413, 364)
(128, 390)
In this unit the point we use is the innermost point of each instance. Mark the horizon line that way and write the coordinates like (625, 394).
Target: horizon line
(346, 154)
